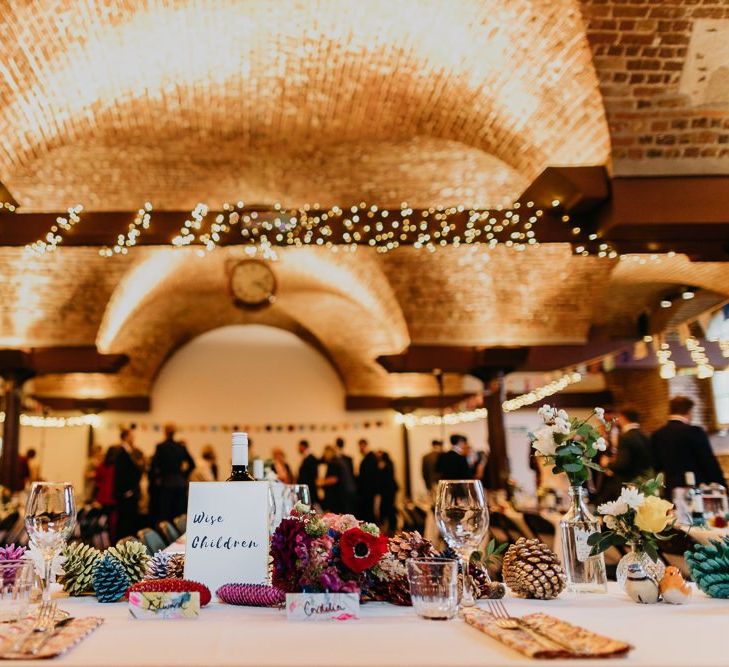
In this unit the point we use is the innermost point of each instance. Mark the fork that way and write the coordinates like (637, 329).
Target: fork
(506, 621)
(44, 621)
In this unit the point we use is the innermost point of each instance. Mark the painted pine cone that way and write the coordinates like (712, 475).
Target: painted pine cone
(532, 570)
(483, 587)
(133, 555)
(110, 580)
(407, 545)
(251, 595)
(173, 586)
(78, 568)
(709, 567)
(164, 565)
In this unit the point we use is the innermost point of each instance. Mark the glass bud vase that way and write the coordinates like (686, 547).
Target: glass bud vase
(654, 569)
(585, 573)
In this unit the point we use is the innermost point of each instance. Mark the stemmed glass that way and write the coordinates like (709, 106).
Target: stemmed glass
(462, 516)
(298, 493)
(50, 516)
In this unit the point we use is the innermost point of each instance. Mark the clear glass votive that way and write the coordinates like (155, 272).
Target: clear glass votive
(434, 587)
(16, 583)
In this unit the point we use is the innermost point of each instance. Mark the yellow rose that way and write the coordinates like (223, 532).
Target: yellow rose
(653, 515)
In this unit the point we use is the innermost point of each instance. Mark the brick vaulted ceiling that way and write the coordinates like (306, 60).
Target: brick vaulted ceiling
(114, 103)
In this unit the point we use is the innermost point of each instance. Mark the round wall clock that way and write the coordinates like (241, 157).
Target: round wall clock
(253, 283)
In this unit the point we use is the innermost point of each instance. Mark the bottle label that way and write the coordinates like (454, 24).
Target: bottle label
(240, 455)
(697, 502)
(581, 546)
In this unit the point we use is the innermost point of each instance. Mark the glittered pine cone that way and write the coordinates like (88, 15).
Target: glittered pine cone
(78, 567)
(164, 565)
(110, 580)
(532, 570)
(133, 555)
(409, 544)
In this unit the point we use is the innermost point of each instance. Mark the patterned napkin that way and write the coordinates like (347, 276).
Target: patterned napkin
(65, 638)
(586, 644)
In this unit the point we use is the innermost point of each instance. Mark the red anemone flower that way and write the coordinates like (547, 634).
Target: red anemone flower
(360, 550)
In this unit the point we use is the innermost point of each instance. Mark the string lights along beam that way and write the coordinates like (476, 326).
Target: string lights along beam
(43, 421)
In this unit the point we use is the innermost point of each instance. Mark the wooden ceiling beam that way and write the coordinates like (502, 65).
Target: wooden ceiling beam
(61, 359)
(116, 403)
(405, 403)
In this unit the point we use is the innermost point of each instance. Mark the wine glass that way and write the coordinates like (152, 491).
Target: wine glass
(50, 516)
(298, 493)
(462, 516)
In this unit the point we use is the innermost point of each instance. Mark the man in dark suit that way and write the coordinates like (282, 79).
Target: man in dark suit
(678, 448)
(309, 469)
(128, 465)
(366, 483)
(632, 457)
(453, 464)
(348, 482)
(169, 472)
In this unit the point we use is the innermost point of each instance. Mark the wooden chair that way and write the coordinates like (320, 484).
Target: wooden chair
(180, 523)
(168, 532)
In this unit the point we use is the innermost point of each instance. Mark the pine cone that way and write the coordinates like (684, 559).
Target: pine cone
(709, 567)
(251, 595)
(109, 579)
(164, 565)
(407, 545)
(78, 567)
(395, 590)
(532, 570)
(133, 555)
(483, 587)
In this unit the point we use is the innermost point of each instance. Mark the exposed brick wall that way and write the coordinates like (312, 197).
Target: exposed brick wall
(665, 114)
(699, 391)
(642, 389)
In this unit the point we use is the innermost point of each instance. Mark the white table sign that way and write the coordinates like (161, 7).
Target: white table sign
(227, 533)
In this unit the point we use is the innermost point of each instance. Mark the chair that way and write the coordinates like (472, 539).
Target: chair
(168, 532)
(542, 528)
(180, 523)
(151, 539)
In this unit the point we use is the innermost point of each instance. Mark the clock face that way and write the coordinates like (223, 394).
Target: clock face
(253, 283)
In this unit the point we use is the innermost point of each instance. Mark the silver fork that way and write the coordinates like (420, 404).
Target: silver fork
(43, 622)
(506, 621)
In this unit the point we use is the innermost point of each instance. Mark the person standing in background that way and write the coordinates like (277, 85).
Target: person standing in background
(169, 472)
(332, 483)
(349, 484)
(429, 466)
(308, 469)
(33, 466)
(453, 464)
(127, 476)
(280, 467)
(679, 447)
(207, 469)
(96, 457)
(386, 487)
(366, 483)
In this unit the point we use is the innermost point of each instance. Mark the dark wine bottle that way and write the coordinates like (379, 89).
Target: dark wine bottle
(239, 472)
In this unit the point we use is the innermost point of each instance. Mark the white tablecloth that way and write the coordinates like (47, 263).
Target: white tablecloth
(664, 635)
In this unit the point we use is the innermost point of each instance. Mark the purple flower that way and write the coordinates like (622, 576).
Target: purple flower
(286, 550)
(11, 552)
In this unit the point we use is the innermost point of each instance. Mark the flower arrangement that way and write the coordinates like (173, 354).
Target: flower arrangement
(570, 444)
(332, 553)
(638, 518)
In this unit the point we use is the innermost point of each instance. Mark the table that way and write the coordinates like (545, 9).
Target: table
(664, 635)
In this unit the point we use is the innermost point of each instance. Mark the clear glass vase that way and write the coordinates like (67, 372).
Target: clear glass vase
(585, 573)
(653, 568)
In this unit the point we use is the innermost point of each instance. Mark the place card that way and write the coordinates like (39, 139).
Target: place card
(164, 606)
(322, 606)
(227, 533)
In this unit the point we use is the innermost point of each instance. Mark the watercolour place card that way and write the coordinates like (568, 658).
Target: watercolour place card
(322, 606)
(164, 606)
(227, 533)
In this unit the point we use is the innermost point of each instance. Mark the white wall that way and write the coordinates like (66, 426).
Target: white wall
(61, 452)
(253, 375)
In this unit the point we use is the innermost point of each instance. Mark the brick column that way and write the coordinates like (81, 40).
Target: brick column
(642, 389)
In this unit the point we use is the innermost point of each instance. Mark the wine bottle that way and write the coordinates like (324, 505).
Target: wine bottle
(240, 471)
(695, 500)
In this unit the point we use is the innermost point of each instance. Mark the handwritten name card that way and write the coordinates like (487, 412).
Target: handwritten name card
(164, 606)
(322, 606)
(227, 533)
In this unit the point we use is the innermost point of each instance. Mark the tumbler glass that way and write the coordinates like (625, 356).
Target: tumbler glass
(434, 587)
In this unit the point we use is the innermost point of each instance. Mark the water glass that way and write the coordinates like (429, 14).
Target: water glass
(462, 516)
(434, 587)
(50, 516)
(16, 584)
(298, 493)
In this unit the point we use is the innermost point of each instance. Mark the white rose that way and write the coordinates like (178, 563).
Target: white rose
(544, 441)
(632, 497)
(613, 508)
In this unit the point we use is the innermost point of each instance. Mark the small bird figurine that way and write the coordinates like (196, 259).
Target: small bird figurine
(640, 586)
(673, 587)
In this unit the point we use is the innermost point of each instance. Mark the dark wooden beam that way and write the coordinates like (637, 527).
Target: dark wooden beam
(404, 404)
(497, 467)
(116, 403)
(580, 190)
(48, 360)
(10, 472)
(478, 361)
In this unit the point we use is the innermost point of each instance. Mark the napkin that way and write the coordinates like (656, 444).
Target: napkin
(64, 639)
(586, 644)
